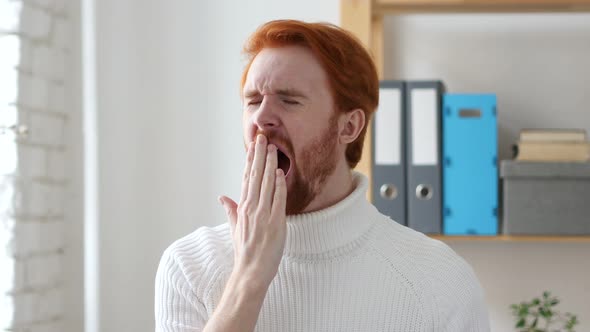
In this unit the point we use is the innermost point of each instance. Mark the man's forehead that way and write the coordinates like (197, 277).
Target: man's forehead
(286, 90)
(281, 70)
(268, 82)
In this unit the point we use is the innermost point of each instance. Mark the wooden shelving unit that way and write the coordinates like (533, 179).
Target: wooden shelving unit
(385, 7)
(514, 238)
(364, 18)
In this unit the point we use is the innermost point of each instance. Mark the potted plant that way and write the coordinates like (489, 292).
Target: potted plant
(540, 315)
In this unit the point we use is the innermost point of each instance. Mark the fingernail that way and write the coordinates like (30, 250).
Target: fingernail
(260, 138)
(272, 147)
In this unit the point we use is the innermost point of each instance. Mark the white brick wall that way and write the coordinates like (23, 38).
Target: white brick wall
(37, 238)
(32, 189)
(9, 92)
(35, 23)
(57, 98)
(26, 55)
(9, 16)
(61, 34)
(33, 91)
(35, 167)
(56, 166)
(46, 129)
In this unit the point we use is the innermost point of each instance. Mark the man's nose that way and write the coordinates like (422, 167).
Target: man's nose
(266, 116)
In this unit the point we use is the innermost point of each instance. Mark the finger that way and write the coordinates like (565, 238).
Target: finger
(246, 175)
(257, 170)
(230, 209)
(279, 203)
(268, 181)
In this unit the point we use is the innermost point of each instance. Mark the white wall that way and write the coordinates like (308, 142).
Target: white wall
(515, 272)
(33, 182)
(539, 66)
(169, 131)
(170, 136)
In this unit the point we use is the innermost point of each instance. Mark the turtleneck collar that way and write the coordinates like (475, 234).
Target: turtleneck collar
(334, 228)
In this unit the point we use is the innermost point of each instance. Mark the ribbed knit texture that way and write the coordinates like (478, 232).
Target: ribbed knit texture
(345, 268)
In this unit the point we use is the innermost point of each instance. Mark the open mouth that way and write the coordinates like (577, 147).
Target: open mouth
(284, 162)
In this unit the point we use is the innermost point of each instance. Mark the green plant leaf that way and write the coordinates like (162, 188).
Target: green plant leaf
(521, 323)
(536, 301)
(544, 312)
(571, 322)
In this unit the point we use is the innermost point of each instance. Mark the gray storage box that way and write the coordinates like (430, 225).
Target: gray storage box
(546, 198)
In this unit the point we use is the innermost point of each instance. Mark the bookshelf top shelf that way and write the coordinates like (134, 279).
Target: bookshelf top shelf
(386, 7)
(515, 238)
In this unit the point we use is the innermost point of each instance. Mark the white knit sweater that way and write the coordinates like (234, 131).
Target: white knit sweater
(345, 268)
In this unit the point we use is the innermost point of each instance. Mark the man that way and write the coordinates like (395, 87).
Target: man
(303, 249)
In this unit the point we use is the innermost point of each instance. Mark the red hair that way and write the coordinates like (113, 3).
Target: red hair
(352, 75)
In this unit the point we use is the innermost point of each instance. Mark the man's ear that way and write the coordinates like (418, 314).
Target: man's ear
(351, 125)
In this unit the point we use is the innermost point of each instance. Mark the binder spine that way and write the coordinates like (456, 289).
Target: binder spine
(423, 157)
(388, 152)
(470, 168)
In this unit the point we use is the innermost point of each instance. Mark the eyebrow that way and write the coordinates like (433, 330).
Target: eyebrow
(288, 92)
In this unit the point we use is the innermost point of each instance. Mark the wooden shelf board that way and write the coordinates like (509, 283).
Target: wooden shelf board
(515, 238)
(387, 7)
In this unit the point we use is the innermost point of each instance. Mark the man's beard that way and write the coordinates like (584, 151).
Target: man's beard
(310, 172)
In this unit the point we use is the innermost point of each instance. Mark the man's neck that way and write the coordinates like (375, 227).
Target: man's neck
(337, 187)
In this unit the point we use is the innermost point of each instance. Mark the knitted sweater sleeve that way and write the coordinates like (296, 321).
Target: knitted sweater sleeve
(460, 299)
(177, 308)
